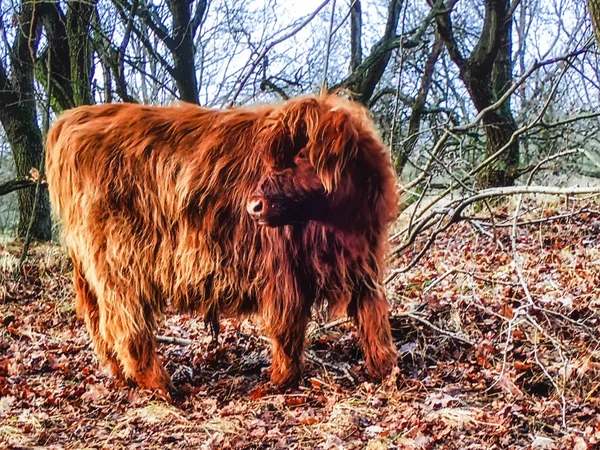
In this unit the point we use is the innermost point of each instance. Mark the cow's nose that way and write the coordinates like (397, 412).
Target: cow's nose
(256, 207)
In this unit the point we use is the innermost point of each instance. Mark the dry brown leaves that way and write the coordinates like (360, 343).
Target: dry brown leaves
(532, 369)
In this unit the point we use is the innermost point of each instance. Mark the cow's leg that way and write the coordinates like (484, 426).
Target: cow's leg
(140, 361)
(287, 332)
(370, 310)
(86, 304)
(129, 325)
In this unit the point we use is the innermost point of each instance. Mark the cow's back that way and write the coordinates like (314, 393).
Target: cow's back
(154, 197)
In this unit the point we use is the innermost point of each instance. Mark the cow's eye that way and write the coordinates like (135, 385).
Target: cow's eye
(302, 155)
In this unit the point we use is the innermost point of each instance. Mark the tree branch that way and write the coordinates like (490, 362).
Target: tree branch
(16, 185)
(269, 46)
(452, 213)
(446, 32)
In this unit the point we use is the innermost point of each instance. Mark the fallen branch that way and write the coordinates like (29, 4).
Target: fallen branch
(453, 213)
(312, 357)
(424, 321)
(327, 326)
(174, 340)
(439, 279)
(485, 279)
(422, 215)
(450, 334)
(534, 221)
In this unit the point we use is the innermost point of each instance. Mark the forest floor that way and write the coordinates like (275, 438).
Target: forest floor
(488, 359)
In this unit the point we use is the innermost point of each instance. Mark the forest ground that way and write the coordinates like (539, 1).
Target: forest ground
(488, 359)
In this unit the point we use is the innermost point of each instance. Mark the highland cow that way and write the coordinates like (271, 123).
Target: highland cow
(264, 210)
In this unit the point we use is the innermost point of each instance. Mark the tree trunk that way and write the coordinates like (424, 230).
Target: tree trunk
(373, 74)
(183, 51)
(179, 39)
(355, 36)
(80, 50)
(416, 114)
(498, 131)
(501, 125)
(487, 74)
(26, 146)
(18, 118)
(368, 71)
(594, 9)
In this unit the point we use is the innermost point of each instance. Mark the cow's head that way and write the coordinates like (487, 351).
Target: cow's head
(323, 161)
(309, 149)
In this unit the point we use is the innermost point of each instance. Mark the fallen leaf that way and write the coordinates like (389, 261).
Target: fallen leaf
(296, 400)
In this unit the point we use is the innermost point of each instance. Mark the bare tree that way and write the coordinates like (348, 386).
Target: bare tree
(71, 60)
(423, 68)
(368, 73)
(185, 19)
(418, 107)
(487, 74)
(19, 117)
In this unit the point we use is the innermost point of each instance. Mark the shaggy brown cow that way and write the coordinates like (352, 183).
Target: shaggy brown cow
(265, 210)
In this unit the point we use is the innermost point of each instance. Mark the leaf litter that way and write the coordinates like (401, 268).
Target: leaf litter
(480, 367)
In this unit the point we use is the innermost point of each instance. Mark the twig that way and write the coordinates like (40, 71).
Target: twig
(521, 308)
(484, 279)
(339, 25)
(561, 392)
(327, 326)
(461, 204)
(589, 331)
(174, 340)
(536, 221)
(270, 46)
(516, 259)
(535, 168)
(480, 229)
(450, 334)
(327, 49)
(418, 203)
(511, 323)
(464, 128)
(439, 279)
(576, 118)
(422, 253)
(311, 356)
(398, 82)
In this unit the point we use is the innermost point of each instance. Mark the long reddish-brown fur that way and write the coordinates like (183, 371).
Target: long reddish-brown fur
(266, 210)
